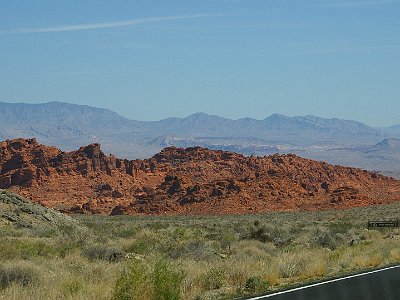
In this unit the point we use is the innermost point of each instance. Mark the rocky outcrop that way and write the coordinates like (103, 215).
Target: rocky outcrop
(22, 213)
(184, 181)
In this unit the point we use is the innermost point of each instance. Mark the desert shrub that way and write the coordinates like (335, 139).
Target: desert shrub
(278, 235)
(73, 234)
(22, 274)
(147, 241)
(24, 249)
(133, 283)
(139, 281)
(197, 250)
(126, 232)
(227, 239)
(291, 265)
(101, 251)
(259, 233)
(281, 236)
(71, 287)
(214, 279)
(324, 238)
(45, 232)
(296, 228)
(241, 228)
(253, 249)
(316, 267)
(71, 238)
(140, 246)
(255, 284)
(340, 227)
(395, 253)
(157, 225)
(180, 233)
(9, 230)
(167, 281)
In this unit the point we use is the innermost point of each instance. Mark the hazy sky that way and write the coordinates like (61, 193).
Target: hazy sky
(149, 60)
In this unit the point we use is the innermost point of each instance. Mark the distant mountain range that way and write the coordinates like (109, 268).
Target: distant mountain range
(69, 126)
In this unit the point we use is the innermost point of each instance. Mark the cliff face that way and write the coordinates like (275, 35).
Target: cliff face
(184, 181)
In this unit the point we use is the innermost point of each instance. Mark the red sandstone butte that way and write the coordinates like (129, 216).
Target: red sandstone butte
(184, 181)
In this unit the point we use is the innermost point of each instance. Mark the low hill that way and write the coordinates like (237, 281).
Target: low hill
(184, 181)
(21, 212)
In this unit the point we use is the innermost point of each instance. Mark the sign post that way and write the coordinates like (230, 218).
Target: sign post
(383, 224)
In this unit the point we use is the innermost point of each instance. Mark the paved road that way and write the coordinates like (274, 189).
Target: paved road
(381, 284)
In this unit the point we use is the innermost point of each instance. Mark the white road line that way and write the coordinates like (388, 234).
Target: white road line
(324, 282)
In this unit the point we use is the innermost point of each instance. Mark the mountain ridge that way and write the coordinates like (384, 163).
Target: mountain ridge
(197, 115)
(68, 126)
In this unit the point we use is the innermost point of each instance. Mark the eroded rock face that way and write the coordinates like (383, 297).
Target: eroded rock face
(184, 181)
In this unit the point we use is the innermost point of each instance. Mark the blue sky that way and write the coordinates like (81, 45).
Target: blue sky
(149, 60)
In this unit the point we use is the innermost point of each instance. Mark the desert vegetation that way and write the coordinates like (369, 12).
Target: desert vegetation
(192, 257)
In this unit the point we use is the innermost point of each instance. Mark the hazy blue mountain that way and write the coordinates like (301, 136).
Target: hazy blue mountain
(393, 130)
(387, 146)
(66, 125)
(277, 128)
(69, 126)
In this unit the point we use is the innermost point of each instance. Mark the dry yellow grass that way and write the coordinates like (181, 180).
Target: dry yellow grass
(74, 265)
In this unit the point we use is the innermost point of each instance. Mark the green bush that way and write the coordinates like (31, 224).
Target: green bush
(227, 239)
(138, 281)
(134, 283)
(167, 281)
(255, 284)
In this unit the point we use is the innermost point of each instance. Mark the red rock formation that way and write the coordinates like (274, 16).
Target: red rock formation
(184, 181)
